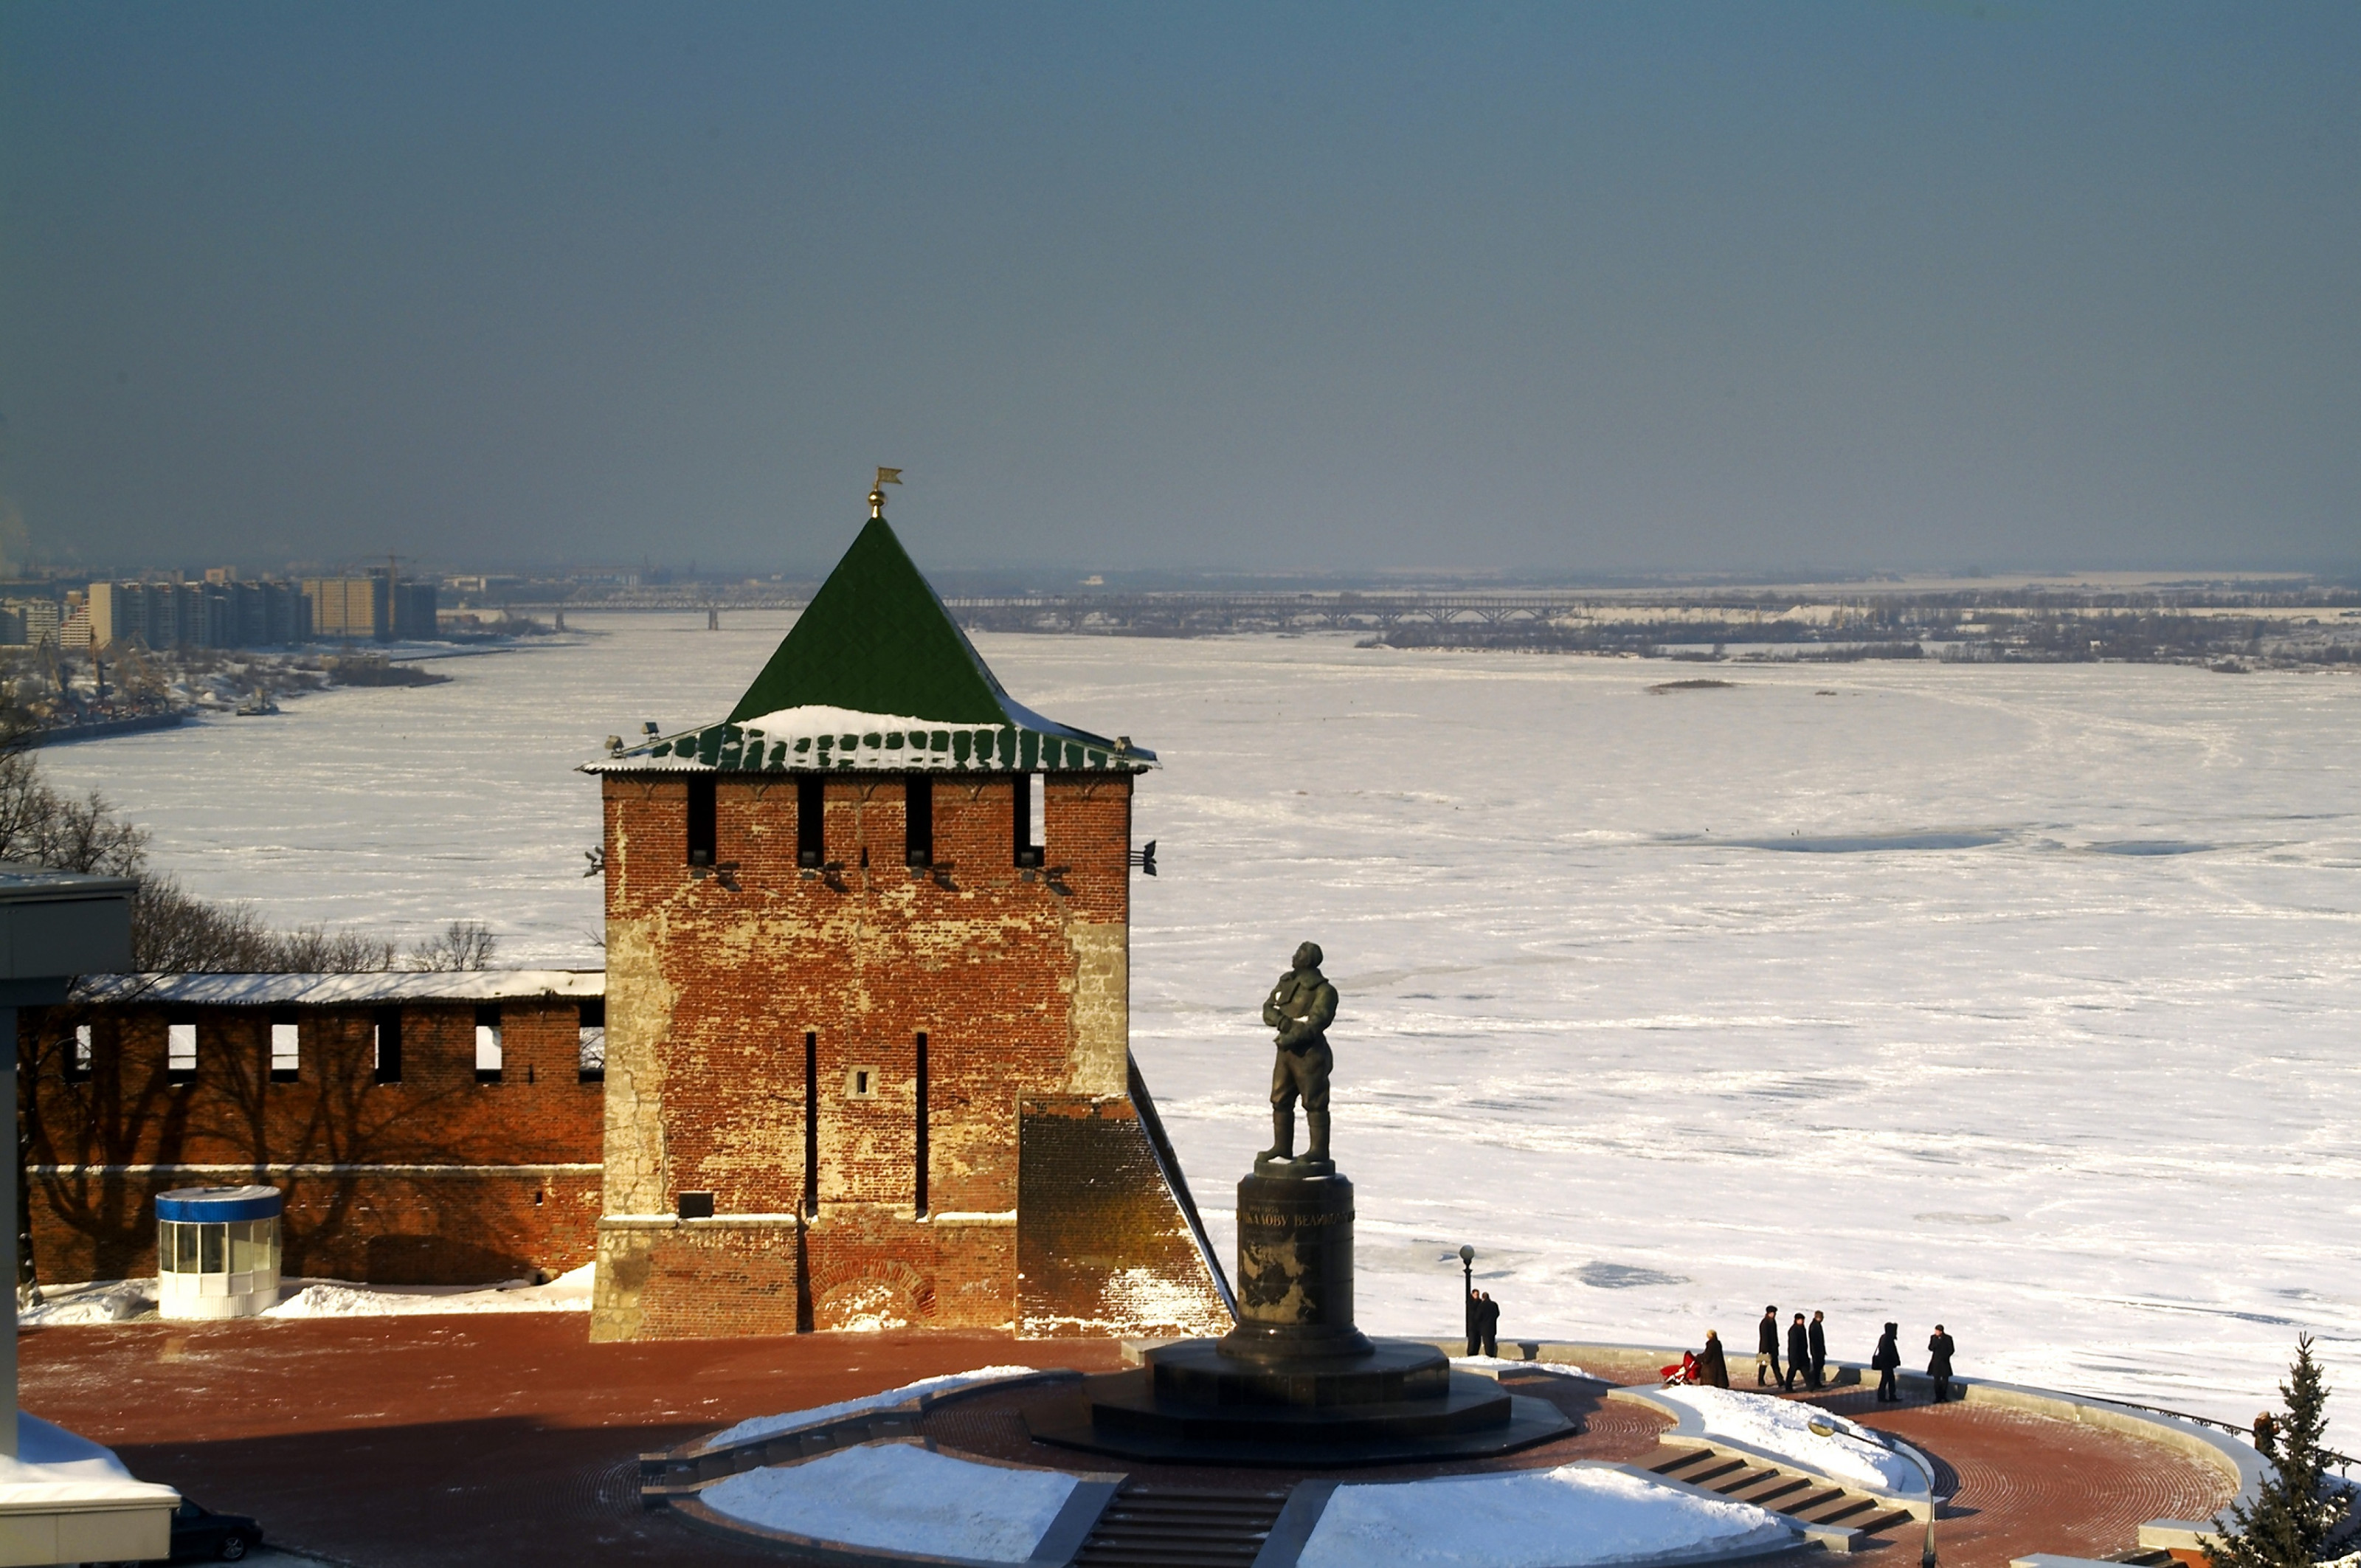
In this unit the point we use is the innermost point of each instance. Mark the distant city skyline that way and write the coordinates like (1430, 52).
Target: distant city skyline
(1552, 292)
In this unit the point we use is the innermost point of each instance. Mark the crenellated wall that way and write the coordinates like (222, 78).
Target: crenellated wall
(439, 1174)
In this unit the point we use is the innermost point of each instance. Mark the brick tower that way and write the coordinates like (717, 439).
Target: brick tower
(868, 976)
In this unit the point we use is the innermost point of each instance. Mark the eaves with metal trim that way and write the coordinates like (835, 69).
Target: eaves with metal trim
(879, 744)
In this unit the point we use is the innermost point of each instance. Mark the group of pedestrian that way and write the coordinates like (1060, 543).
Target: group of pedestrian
(1807, 1357)
(1807, 1351)
(1888, 1359)
(1483, 1323)
(1806, 1346)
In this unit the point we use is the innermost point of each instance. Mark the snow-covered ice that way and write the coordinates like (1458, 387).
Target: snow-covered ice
(2019, 998)
(899, 1496)
(1782, 1429)
(763, 1426)
(569, 1292)
(1574, 1515)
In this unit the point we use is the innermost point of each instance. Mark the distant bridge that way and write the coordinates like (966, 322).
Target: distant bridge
(1181, 613)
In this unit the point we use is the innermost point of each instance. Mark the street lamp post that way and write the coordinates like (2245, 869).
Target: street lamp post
(1467, 1294)
(1927, 1553)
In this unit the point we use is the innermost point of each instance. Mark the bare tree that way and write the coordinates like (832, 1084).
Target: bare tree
(40, 824)
(463, 945)
(315, 949)
(175, 932)
(172, 931)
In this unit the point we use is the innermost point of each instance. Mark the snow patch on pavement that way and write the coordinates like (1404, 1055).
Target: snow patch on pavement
(1567, 1518)
(1782, 1429)
(1493, 1365)
(104, 1301)
(569, 1292)
(896, 1496)
(763, 1426)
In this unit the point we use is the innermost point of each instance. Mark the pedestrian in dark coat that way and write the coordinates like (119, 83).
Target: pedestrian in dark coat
(1887, 1359)
(1819, 1343)
(1713, 1366)
(1799, 1354)
(1766, 1348)
(1939, 1349)
(1487, 1319)
(1474, 1322)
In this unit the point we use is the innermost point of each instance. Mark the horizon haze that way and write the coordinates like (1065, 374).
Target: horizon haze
(1504, 288)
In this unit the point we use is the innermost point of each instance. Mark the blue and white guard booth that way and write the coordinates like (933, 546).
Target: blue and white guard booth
(216, 1252)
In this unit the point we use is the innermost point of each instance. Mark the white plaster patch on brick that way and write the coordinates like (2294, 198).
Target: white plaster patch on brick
(640, 1003)
(1102, 1008)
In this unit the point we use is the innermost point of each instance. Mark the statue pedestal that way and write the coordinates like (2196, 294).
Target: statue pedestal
(1295, 1271)
(1295, 1383)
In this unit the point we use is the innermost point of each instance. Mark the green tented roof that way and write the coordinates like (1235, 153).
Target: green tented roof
(877, 676)
(875, 639)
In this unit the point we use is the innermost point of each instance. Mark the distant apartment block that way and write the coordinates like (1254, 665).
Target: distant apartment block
(198, 615)
(374, 606)
(225, 612)
(25, 622)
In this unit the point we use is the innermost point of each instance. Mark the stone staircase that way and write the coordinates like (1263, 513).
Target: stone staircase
(1803, 1498)
(1153, 1526)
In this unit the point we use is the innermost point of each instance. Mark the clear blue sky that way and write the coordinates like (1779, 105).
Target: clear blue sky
(1564, 288)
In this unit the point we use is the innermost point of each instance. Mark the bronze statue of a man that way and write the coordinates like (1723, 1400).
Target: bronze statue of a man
(1302, 1006)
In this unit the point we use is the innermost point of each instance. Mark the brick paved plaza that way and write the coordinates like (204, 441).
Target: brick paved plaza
(512, 1439)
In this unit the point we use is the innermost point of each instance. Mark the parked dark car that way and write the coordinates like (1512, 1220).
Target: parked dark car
(201, 1534)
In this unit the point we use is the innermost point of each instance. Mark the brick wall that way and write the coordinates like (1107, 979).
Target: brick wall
(722, 980)
(1103, 1244)
(437, 1179)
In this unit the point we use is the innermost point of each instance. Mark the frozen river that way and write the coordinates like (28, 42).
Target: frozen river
(2024, 999)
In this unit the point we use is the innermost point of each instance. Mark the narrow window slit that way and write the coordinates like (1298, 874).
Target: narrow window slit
(918, 821)
(811, 821)
(385, 1046)
(286, 1051)
(590, 1046)
(488, 1053)
(919, 1197)
(1024, 820)
(811, 1125)
(703, 821)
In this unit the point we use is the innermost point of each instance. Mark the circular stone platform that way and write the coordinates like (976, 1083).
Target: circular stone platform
(1627, 1487)
(1182, 1408)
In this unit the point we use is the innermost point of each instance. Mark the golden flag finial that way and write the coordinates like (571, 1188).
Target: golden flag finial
(877, 491)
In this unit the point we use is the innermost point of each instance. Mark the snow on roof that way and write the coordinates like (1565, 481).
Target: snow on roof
(876, 676)
(55, 1466)
(342, 990)
(820, 739)
(26, 880)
